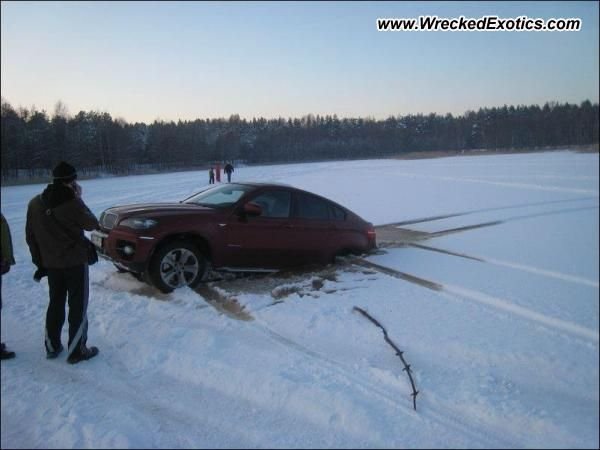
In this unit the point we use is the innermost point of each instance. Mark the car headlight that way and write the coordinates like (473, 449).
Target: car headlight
(138, 223)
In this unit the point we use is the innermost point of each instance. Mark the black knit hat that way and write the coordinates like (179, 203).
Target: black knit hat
(64, 173)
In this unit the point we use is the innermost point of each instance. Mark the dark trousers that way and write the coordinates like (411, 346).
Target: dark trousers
(229, 177)
(72, 285)
(1, 276)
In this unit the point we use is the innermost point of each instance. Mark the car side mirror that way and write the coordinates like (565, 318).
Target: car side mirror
(252, 209)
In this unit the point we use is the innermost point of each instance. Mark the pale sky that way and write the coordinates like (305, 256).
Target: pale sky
(143, 61)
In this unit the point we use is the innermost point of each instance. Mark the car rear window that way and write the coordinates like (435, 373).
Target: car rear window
(311, 207)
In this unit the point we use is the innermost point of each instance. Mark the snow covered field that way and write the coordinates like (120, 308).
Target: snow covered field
(499, 323)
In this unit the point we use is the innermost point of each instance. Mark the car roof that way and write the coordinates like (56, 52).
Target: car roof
(289, 186)
(262, 184)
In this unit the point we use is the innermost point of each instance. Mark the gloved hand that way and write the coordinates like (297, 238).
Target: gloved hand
(39, 274)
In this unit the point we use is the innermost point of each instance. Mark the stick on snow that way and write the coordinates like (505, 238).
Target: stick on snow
(398, 352)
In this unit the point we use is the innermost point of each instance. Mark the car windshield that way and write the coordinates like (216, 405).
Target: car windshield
(220, 196)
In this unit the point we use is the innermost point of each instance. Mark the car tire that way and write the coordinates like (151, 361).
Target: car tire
(177, 264)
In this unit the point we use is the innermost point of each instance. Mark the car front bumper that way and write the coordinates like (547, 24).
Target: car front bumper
(127, 251)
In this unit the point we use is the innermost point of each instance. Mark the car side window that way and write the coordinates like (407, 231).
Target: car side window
(311, 207)
(337, 213)
(275, 204)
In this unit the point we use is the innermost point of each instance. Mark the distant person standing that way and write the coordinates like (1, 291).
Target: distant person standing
(8, 260)
(56, 220)
(228, 170)
(211, 176)
(218, 172)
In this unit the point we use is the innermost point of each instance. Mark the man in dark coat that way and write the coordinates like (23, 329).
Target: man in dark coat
(54, 231)
(228, 170)
(8, 260)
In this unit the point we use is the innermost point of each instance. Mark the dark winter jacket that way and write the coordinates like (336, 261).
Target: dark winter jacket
(228, 168)
(57, 241)
(8, 258)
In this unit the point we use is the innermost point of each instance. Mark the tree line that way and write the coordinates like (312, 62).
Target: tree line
(34, 141)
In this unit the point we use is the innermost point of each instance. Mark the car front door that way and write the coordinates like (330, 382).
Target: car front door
(262, 241)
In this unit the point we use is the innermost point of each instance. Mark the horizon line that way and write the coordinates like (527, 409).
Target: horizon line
(68, 114)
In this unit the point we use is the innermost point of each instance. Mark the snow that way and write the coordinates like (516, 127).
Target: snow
(500, 325)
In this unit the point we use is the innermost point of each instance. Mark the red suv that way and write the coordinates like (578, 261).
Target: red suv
(244, 227)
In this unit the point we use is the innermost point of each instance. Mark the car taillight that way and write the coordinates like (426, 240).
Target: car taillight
(371, 233)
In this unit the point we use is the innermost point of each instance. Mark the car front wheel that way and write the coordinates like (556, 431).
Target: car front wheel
(176, 265)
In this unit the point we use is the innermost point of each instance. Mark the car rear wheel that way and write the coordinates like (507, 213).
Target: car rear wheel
(176, 265)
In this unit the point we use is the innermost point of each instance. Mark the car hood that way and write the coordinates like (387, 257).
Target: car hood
(156, 209)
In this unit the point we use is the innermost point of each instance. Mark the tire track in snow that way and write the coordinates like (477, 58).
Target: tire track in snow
(341, 371)
(447, 418)
(526, 313)
(435, 414)
(420, 235)
(531, 186)
(494, 302)
(523, 267)
(527, 186)
(483, 210)
(171, 417)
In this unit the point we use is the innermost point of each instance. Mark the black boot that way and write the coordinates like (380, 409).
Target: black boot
(55, 353)
(82, 355)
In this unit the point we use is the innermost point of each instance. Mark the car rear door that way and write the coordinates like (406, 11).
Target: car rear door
(315, 230)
